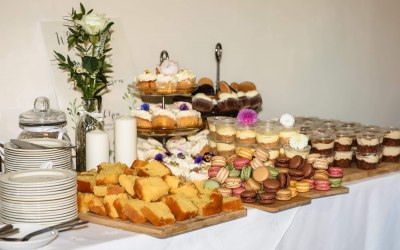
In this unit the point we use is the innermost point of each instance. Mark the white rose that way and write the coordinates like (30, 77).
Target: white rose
(93, 23)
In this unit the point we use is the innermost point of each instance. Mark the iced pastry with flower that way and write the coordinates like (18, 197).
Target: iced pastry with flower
(186, 80)
(146, 81)
(143, 116)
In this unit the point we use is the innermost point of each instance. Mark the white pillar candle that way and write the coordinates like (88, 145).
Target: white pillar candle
(125, 139)
(97, 148)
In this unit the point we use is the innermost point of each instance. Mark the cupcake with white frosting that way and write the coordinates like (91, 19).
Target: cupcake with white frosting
(164, 119)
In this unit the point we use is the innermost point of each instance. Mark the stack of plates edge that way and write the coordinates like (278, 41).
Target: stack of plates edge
(16, 159)
(44, 196)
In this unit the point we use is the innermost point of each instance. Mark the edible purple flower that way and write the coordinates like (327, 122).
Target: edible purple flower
(183, 106)
(167, 152)
(159, 157)
(181, 156)
(247, 116)
(145, 106)
(198, 159)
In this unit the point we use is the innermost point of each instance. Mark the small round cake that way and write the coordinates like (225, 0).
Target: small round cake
(186, 81)
(163, 118)
(166, 84)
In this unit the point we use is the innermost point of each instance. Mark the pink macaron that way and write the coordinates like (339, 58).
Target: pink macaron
(237, 191)
(322, 185)
(335, 172)
(213, 171)
(311, 181)
(240, 162)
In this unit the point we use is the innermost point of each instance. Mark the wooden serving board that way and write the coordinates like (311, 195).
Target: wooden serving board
(279, 206)
(164, 231)
(315, 194)
(355, 174)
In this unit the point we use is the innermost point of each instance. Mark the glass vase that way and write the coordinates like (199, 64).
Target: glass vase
(87, 122)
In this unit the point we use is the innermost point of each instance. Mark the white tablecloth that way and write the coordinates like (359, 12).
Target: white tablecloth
(366, 218)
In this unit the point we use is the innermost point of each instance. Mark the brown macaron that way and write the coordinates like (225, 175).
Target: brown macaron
(266, 198)
(296, 174)
(284, 180)
(249, 196)
(296, 162)
(282, 162)
(308, 170)
(271, 185)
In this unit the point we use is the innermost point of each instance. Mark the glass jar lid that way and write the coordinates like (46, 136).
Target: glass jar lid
(42, 115)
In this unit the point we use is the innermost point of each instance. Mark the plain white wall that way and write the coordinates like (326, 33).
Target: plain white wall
(328, 58)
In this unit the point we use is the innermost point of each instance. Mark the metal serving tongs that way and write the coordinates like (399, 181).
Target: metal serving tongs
(8, 230)
(64, 226)
(164, 56)
(218, 56)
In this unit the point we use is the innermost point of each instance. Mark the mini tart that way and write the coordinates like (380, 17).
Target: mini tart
(143, 118)
(163, 119)
(188, 119)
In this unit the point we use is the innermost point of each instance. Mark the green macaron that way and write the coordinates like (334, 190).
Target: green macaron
(211, 184)
(273, 172)
(234, 173)
(246, 173)
(335, 182)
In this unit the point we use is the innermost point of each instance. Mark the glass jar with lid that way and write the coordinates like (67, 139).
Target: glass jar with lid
(43, 122)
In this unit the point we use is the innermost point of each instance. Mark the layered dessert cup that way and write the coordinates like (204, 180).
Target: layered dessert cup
(322, 143)
(367, 161)
(390, 153)
(343, 159)
(268, 135)
(286, 133)
(225, 130)
(369, 142)
(245, 134)
(343, 140)
(225, 149)
(273, 153)
(212, 144)
(211, 121)
(392, 137)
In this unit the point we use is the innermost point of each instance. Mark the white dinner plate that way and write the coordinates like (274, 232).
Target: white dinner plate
(34, 242)
(38, 177)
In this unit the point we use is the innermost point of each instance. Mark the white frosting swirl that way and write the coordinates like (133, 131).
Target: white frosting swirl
(164, 112)
(186, 113)
(252, 93)
(202, 96)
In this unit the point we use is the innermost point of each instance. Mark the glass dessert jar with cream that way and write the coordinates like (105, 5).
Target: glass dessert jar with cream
(268, 135)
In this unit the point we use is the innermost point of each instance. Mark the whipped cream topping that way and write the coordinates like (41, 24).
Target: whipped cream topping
(288, 133)
(343, 155)
(393, 134)
(142, 114)
(185, 74)
(225, 146)
(344, 140)
(391, 151)
(186, 113)
(202, 96)
(368, 142)
(240, 94)
(369, 158)
(252, 93)
(322, 146)
(145, 77)
(166, 79)
(225, 96)
(164, 112)
(244, 134)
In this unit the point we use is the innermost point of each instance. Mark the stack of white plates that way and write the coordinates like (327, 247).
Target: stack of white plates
(16, 159)
(45, 196)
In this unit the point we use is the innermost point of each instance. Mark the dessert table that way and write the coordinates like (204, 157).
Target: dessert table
(365, 218)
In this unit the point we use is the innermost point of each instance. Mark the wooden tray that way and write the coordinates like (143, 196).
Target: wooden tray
(315, 194)
(279, 206)
(355, 174)
(164, 231)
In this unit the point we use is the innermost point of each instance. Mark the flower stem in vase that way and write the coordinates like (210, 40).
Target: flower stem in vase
(87, 122)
